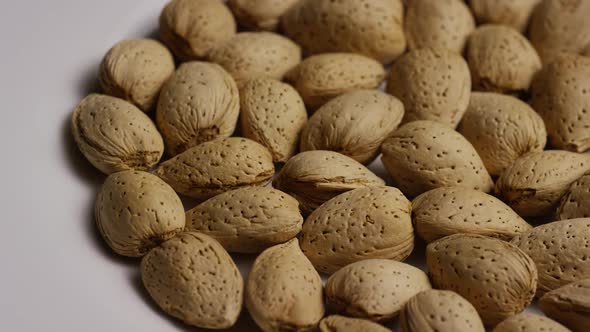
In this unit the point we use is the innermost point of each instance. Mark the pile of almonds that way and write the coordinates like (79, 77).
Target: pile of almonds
(482, 129)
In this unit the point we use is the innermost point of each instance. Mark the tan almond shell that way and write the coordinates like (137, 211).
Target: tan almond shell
(192, 278)
(433, 84)
(314, 177)
(250, 55)
(502, 129)
(283, 291)
(569, 305)
(274, 115)
(444, 24)
(374, 289)
(574, 203)
(192, 28)
(115, 136)
(364, 223)
(424, 155)
(260, 14)
(320, 78)
(560, 27)
(525, 322)
(450, 210)
(373, 28)
(198, 104)
(337, 323)
(515, 14)
(247, 220)
(535, 183)
(560, 250)
(218, 166)
(354, 124)
(561, 95)
(497, 277)
(136, 211)
(135, 70)
(501, 60)
(440, 310)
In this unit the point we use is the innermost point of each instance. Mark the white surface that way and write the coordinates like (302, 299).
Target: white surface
(55, 272)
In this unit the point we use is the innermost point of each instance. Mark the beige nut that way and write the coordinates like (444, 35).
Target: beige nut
(250, 55)
(260, 14)
(248, 219)
(451, 210)
(337, 323)
(574, 203)
(502, 129)
(495, 276)
(354, 124)
(444, 24)
(525, 322)
(314, 177)
(320, 78)
(364, 223)
(374, 289)
(535, 183)
(136, 211)
(135, 70)
(424, 155)
(218, 166)
(198, 104)
(283, 291)
(433, 84)
(192, 278)
(373, 28)
(560, 251)
(439, 310)
(501, 60)
(569, 305)
(272, 114)
(115, 136)
(512, 13)
(192, 28)
(561, 95)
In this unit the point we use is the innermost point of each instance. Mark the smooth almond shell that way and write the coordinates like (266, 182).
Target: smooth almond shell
(574, 203)
(260, 14)
(569, 305)
(525, 322)
(512, 13)
(337, 323)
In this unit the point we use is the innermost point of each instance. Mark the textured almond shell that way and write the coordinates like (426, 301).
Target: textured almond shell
(561, 95)
(501, 59)
(354, 124)
(525, 322)
(424, 155)
(502, 128)
(497, 277)
(337, 323)
(444, 24)
(370, 27)
(272, 114)
(560, 250)
(512, 13)
(192, 28)
(198, 104)
(320, 78)
(433, 84)
(114, 135)
(439, 310)
(314, 177)
(451, 210)
(574, 203)
(375, 289)
(535, 183)
(569, 305)
(250, 55)
(360, 224)
(248, 219)
(218, 166)
(192, 278)
(260, 14)
(284, 292)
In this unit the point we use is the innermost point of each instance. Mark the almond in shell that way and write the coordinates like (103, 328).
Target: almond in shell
(337, 323)
(525, 322)
(574, 203)
(569, 305)
(512, 13)
(260, 14)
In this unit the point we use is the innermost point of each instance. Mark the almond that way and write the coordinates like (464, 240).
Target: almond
(337, 323)
(260, 14)
(495, 276)
(424, 155)
(314, 177)
(569, 305)
(354, 124)
(247, 219)
(192, 278)
(284, 292)
(512, 13)
(574, 203)
(364, 223)
(525, 322)
(218, 166)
